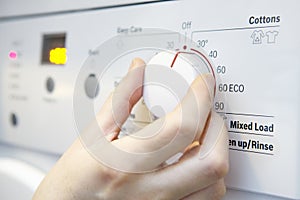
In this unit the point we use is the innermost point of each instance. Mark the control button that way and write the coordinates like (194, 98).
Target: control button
(91, 86)
(50, 85)
(13, 119)
(167, 78)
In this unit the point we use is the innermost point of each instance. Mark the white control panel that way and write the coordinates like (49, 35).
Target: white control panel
(255, 48)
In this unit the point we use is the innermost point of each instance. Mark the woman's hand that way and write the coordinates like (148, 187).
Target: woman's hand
(192, 128)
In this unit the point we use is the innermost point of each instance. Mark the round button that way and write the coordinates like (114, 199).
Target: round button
(13, 119)
(91, 86)
(50, 85)
(167, 78)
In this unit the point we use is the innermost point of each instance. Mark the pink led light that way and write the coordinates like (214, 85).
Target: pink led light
(12, 55)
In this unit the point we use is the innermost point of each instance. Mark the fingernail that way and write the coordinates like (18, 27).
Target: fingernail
(136, 62)
(111, 136)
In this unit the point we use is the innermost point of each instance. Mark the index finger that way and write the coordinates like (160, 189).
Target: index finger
(117, 107)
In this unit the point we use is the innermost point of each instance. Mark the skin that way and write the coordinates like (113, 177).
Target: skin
(199, 133)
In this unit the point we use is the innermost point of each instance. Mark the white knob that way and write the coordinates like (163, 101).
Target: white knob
(167, 78)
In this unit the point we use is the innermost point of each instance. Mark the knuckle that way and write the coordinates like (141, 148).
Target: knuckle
(218, 167)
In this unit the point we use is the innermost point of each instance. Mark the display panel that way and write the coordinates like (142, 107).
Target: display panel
(54, 51)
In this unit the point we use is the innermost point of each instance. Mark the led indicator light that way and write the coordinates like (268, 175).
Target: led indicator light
(58, 56)
(12, 55)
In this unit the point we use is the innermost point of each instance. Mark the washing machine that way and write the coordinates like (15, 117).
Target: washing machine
(254, 48)
(21, 171)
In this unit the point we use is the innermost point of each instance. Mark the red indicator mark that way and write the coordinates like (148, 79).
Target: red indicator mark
(175, 57)
(203, 56)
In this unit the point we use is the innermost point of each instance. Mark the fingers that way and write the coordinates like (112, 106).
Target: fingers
(196, 105)
(202, 166)
(117, 107)
(172, 134)
(148, 148)
(213, 192)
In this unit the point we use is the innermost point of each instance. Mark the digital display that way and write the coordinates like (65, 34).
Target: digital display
(54, 51)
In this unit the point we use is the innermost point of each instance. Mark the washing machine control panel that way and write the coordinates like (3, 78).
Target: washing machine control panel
(254, 50)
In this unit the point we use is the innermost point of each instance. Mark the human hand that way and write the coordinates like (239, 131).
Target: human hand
(199, 133)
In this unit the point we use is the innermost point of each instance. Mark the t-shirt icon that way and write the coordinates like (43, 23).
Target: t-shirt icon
(271, 35)
(257, 36)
